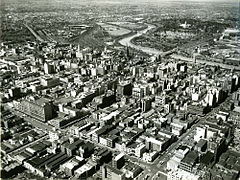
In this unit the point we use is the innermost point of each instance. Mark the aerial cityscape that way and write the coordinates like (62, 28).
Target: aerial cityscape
(120, 89)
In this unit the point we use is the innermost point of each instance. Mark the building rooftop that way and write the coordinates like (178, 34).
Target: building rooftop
(119, 156)
(201, 143)
(191, 157)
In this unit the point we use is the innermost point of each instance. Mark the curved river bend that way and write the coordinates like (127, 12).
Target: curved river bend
(127, 42)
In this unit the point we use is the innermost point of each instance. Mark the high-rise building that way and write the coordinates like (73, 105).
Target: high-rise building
(111, 173)
(124, 88)
(118, 161)
(49, 68)
(15, 92)
(146, 104)
(41, 109)
(79, 54)
(49, 81)
(189, 161)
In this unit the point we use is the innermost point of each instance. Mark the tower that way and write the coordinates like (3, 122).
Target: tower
(79, 54)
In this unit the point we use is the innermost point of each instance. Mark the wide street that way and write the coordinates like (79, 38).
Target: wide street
(152, 169)
(191, 60)
(19, 149)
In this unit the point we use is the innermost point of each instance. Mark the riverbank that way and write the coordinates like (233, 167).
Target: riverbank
(126, 41)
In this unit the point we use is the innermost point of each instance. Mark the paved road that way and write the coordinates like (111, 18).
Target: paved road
(126, 41)
(69, 125)
(36, 123)
(225, 66)
(34, 33)
(151, 51)
(172, 148)
(156, 167)
(43, 125)
(17, 150)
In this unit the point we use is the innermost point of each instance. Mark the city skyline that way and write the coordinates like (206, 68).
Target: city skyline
(120, 90)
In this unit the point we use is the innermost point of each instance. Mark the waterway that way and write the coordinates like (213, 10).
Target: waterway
(127, 42)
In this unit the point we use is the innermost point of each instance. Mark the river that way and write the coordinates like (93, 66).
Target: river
(127, 42)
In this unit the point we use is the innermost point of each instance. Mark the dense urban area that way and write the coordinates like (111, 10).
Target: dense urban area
(120, 90)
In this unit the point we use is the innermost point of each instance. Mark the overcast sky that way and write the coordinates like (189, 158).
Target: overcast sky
(97, 2)
(117, 1)
(136, 1)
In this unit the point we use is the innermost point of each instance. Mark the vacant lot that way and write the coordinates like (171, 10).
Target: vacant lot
(114, 30)
(129, 25)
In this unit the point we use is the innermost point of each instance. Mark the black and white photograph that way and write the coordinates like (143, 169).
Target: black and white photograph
(120, 89)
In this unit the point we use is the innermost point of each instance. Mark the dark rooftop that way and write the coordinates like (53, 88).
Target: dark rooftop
(191, 157)
(207, 158)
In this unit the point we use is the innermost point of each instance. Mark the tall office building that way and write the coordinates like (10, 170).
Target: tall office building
(124, 88)
(41, 109)
(79, 54)
(146, 104)
(48, 68)
(118, 161)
